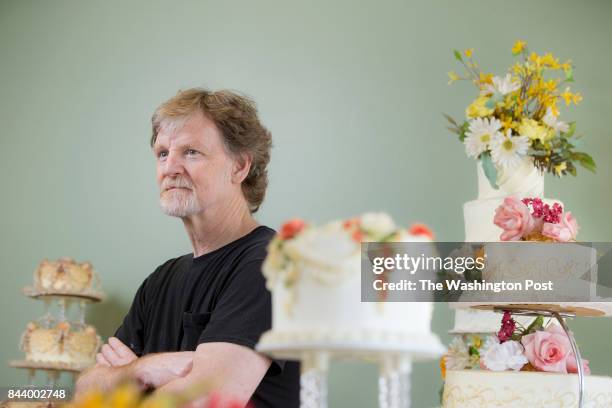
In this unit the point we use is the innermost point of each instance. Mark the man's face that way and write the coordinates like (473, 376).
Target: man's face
(194, 171)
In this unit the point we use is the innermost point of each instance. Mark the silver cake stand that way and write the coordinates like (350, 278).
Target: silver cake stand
(394, 367)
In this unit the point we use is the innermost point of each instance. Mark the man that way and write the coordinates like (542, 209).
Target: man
(198, 317)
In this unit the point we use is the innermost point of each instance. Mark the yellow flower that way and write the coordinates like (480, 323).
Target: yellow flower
(518, 47)
(577, 98)
(548, 60)
(550, 102)
(551, 85)
(507, 123)
(560, 167)
(567, 65)
(159, 401)
(93, 399)
(126, 396)
(468, 53)
(485, 78)
(478, 108)
(569, 97)
(533, 130)
(476, 341)
(453, 77)
(443, 367)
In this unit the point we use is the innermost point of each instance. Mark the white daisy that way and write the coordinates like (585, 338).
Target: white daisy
(480, 134)
(551, 120)
(503, 85)
(507, 151)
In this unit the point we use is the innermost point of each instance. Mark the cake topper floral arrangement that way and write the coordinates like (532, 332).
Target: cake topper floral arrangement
(530, 219)
(537, 347)
(516, 116)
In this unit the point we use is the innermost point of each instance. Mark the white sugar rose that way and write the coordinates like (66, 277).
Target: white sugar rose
(503, 356)
(378, 224)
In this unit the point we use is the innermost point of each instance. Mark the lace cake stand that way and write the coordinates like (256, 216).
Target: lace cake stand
(395, 366)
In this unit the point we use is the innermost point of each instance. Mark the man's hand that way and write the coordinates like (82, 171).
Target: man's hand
(116, 362)
(115, 354)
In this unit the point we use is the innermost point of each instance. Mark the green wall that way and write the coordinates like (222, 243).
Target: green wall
(352, 91)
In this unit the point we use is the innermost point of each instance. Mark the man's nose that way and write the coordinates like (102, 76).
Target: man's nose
(173, 165)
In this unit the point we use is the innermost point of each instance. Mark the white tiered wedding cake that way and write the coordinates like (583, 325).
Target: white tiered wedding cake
(525, 181)
(518, 367)
(314, 274)
(512, 128)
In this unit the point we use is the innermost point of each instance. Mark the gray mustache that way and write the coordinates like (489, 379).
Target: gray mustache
(175, 183)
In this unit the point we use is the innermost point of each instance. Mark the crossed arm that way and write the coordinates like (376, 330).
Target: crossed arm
(236, 370)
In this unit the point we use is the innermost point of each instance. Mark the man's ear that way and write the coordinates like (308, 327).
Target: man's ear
(242, 166)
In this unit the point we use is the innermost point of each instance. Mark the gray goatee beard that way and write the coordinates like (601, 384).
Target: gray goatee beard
(178, 203)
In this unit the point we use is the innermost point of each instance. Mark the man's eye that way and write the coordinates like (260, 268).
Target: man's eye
(162, 154)
(191, 152)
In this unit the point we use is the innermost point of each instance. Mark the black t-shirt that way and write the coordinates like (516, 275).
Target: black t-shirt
(217, 297)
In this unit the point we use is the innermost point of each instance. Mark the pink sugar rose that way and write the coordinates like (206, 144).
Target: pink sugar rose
(548, 350)
(572, 367)
(564, 231)
(514, 217)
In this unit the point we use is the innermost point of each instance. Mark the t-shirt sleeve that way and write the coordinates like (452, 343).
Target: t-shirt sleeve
(243, 311)
(131, 331)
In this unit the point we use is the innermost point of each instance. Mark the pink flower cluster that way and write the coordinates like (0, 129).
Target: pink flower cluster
(507, 329)
(520, 218)
(550, 350)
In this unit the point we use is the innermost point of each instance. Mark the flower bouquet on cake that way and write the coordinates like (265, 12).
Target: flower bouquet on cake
(530, 219)
(537, 347)
(516, 117)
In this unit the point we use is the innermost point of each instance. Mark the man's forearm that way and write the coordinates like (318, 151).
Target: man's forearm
(153, 370)
(103, 378)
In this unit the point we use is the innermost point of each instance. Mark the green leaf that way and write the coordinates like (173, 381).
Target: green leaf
(537, 153)
(450, 119)
(454, 130)
(458, 55)
(490, 103)
(489, 169)
(569, 75)
(464, 128)
(571, 130)
(537, 324)
(586, 161)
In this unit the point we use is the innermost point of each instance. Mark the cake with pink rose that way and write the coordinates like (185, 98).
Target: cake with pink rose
(519, 366)
(514, 131)
(527, 361)
(314, 274)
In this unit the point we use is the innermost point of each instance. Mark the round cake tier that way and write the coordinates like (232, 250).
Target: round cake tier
(524, 180)
(314, 313)
(358, 343)
(509, 389)
(481, 321)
